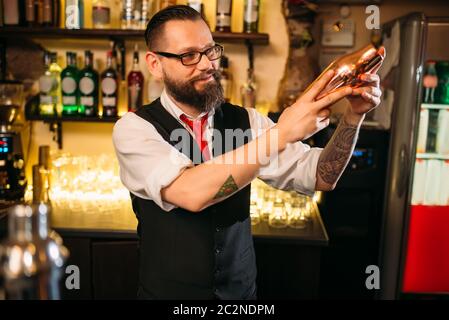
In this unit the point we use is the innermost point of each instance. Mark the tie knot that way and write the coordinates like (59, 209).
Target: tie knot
(194, 123)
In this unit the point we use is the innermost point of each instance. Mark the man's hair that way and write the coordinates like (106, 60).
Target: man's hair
(155, 26)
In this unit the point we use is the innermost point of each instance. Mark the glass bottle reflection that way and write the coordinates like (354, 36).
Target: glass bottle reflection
(296, 217)
(268, 201)
(278, 217)
(254, 213)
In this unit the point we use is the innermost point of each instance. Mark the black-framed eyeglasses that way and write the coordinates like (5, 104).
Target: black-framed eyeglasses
(193, 57)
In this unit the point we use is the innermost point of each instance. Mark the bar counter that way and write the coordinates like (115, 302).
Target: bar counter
(123, 224)
(105, 248)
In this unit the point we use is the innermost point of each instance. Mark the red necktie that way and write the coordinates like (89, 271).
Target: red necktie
(198, 127)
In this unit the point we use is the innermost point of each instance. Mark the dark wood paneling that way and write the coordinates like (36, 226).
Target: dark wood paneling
(80, 255)
(115, 269)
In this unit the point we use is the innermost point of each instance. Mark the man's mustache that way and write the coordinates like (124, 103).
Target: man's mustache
(215, 73)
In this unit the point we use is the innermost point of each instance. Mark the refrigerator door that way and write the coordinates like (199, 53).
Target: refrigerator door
(426, 255)
(406, 85)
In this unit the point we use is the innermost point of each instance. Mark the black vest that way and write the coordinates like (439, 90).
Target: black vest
(205, 255)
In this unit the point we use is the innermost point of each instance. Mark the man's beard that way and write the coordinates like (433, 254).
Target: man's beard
(210, 97)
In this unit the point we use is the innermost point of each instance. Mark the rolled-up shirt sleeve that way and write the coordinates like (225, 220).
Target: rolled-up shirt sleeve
(147, 162)
(292, 169)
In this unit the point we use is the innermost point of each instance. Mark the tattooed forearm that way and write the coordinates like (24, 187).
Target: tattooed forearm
(229, 187)
(338, 151)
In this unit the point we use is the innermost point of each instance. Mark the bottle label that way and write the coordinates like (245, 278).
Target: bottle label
(68, 100)
(87, 85)
(45, 99)
(46, 83)
(108, 86)
(251, 11)
(68, 85)
(109, 101)
(223, 21)
(87, 101)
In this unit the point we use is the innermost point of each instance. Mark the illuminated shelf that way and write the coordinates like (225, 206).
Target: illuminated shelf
(73, 119)
(52, 32)
(434, 106)
(435, 156)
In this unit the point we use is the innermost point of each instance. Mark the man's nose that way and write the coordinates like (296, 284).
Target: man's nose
(205, 63)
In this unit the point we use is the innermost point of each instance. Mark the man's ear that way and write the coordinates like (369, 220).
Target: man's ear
(153, 64)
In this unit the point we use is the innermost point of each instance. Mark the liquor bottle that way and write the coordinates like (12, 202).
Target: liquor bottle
(101, 14)
(1, 25)
(48, 12)
(55, 70)
(135, 84)
(29, 13)
(39, 12)
(34, 12)
(11, 12)
(88, 87)
(49, 86)
(74, 14)
(109, 88)
(430, 82)
(56, 13)
(442, 91)
(69, 86)
(348, 69)
(128, 14)
(224, 8)
(251, 16)
(145, 14)
(226, 78)
(248, 91)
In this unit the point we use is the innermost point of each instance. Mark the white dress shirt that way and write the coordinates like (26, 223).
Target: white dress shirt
(146, 166)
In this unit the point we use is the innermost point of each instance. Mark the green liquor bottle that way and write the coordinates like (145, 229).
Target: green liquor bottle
(88, 87)
(442, 90)
(69, 86)
(49, 86)
(109, 88)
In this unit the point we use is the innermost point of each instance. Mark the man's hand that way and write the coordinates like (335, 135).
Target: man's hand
(306, 116)
(367, 97)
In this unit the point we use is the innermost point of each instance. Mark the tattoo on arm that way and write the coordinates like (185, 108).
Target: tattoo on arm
(338, 151)
(227, 188)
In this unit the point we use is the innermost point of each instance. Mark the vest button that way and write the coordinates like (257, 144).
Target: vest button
(217, 271)
(217, 229)
(218, 250)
